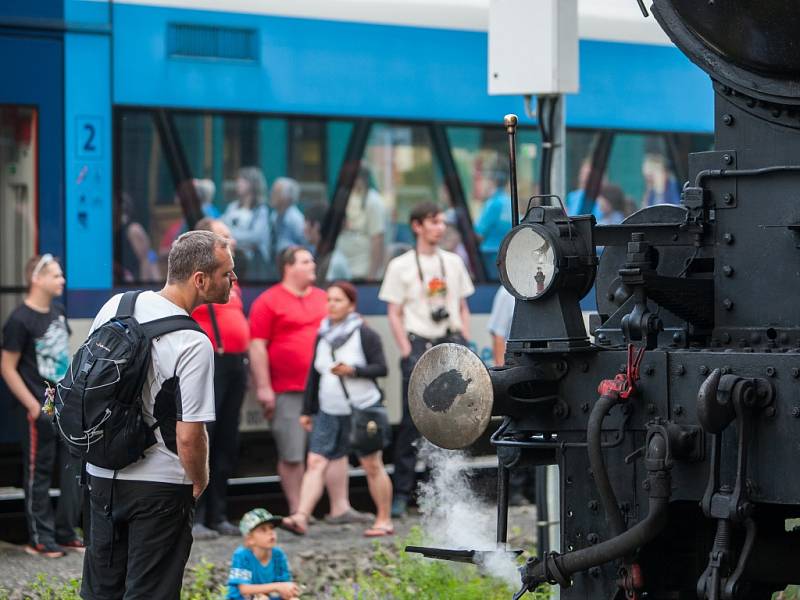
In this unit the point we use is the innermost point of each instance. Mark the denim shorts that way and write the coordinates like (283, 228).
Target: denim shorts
(330, 436)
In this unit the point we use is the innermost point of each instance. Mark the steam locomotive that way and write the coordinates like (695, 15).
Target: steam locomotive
(676, 429)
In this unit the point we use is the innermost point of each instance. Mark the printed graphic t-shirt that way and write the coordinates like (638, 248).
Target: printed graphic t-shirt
(289, 324)
(184, 360)
(441, 288)
(247, 569)
(42, 339)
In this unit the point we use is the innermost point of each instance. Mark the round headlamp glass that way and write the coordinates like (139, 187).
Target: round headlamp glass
(530, 263)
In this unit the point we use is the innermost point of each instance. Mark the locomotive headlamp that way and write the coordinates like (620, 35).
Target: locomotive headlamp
(528, 262)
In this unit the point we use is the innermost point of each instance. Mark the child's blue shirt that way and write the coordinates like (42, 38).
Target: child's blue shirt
(247, 569)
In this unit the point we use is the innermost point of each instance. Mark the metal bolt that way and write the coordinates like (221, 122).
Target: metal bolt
(678, 410)
(728, 238)
(592, 538)
(770, 411)
(795, 372)
(585, 407)
(728, 304)
(776, 112)
(703, 370)
(726, 370)
(593, 505)
(726, 338)
(796, 411)
(727, 270)
(649, 370)
(623, 368)
(727, 159)
(727, 119)
(651, 408)
(646, 484)
(680, 369)
(677, 337)
(751, 102)
(771, 371)
(728, 199)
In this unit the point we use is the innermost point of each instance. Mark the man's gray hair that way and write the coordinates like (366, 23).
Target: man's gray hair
(192, 252)
(289, 189)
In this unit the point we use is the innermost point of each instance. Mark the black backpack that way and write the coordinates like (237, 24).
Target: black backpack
(98, 403)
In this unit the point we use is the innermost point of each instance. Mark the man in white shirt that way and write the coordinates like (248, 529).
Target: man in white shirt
(426, 290)
(141, 515)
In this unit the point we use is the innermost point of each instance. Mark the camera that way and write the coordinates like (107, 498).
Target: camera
(439, 314)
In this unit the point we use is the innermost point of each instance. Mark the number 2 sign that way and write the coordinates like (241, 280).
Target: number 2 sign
(89, 132)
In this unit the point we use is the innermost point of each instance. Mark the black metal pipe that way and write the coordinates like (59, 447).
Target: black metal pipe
(502, 503)
(559, 568)
(614, 520)
(510, 122)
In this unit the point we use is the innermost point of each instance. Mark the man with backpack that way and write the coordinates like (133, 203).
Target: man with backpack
(146, 450)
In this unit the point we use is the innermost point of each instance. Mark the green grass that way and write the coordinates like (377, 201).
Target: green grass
(396, 575)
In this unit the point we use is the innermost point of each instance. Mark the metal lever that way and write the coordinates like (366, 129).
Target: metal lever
(510, 122)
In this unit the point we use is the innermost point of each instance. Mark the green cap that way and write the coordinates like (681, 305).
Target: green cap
(256, 517)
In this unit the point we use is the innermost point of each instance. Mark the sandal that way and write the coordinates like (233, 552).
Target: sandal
(381, 531)
(292, 525)
(351, 515)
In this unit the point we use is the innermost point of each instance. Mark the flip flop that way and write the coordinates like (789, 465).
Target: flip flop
(291, 525)
(379, 532)
(350, 516)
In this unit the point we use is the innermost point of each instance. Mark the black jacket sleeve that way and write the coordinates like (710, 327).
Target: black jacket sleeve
(373, 351)
(311, 395)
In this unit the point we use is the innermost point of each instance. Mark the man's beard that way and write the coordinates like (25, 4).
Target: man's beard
(219, 295)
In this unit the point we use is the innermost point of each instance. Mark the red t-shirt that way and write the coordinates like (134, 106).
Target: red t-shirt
(233, 328)
(289, 324)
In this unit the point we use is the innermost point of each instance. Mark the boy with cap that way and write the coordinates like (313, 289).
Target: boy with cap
(258, 567)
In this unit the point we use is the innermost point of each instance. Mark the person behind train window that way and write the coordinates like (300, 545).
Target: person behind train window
(348, 357)
(229, 332)
(495, 219)
(576, 202)
(205, 189)
(361, 240)
(135, 258)
(426, 290)
(337, 267)
(661, 187)
(248, 218)
(141, 515)
(36, 356)
(611, 202)
(284, 321)
(286, 220)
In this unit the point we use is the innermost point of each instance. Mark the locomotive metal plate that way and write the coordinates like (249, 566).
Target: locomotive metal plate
(450, 396)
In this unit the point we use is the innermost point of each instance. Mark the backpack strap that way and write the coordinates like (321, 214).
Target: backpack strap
(212, 315)
(127, 303)
(165, 325)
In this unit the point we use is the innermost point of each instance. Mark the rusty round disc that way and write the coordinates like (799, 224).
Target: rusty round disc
(450, 396)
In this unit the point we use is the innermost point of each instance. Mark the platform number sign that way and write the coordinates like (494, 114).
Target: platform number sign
(89, 137)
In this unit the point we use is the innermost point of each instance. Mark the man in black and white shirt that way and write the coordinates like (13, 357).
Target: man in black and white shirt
(141, 516)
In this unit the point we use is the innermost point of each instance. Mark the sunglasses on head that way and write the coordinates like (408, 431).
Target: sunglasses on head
(43, 262)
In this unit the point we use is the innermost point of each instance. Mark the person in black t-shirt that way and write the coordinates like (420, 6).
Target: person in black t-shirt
(36, 354)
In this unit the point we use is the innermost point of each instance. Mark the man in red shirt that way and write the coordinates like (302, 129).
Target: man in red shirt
(284, 321)
(226, 326)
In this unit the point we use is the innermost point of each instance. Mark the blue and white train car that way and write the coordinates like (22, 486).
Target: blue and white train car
(107, 106)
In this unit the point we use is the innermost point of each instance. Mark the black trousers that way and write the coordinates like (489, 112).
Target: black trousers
(44, 455)
(405, 452)
(230, 385)
(139, 541)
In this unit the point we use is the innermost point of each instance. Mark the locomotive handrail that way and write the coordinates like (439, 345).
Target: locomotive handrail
(713, 173)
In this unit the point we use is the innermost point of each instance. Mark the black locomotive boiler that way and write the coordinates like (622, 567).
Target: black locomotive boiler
(676, 430)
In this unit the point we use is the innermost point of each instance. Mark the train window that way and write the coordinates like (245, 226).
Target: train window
(481, 157)
(18, 197)
(637, 170)
(398, 170)
(261, 175)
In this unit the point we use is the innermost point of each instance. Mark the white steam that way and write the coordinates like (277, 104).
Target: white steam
(453, 516)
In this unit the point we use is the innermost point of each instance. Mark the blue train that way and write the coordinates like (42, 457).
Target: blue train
(108, 108)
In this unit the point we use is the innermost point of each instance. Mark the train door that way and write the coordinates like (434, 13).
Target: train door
(31, 178)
